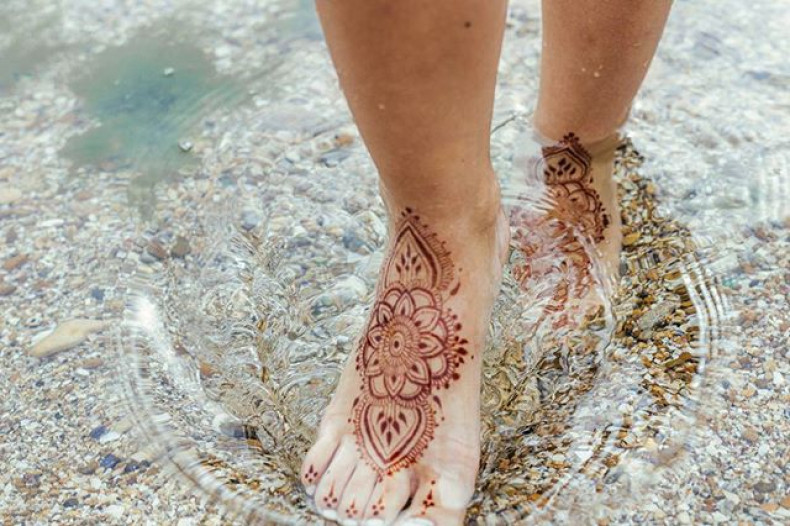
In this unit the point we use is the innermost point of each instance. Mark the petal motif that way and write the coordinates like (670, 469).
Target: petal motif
(411, 390)
(375, 336)
(426, 318)
(393, 383)
(438, 366)
(430, 345)
(422, 298)
(405, 305)
(383, 313)
(418, 372)
(373, 366)
(376, 386)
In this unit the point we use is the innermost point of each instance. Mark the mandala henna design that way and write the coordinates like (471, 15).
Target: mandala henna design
(410, 350)
(576, 214)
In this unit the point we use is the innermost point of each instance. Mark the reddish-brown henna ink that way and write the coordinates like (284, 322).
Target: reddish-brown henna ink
(351, 510)
(378, 507)
(312, 475)
(330, 499)
(410, 350)
(428, 501)
(576, 214)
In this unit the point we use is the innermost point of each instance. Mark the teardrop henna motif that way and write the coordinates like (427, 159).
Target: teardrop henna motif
(410, 350)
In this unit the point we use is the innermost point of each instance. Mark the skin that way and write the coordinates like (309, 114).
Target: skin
(595, 56)
(419, 77)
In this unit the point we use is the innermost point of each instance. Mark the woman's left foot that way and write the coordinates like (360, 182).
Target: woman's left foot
(569, 231)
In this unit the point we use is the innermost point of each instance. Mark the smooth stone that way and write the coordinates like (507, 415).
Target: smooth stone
(9, 195)
(67, 335)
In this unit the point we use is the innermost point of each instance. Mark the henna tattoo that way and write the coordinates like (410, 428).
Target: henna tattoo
(411, 349)
(568, 178)
(378, 507)
(351, 510)
(311, 475)
(428, 501)
(330, 499)
(576, 214)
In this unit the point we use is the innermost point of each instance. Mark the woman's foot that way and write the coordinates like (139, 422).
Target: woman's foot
(569, 230)
(399, 442)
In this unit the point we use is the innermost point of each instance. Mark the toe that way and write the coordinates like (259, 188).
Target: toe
(435, 504)
(317, 460)
(356, 495)
(388, 498)
(333, 482)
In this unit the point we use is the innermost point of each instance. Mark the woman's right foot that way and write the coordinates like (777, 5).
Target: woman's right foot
(569, 231)
(399, 442)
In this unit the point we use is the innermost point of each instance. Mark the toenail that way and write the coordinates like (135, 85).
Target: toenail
(310, 490)
(418, 522)
(348, 522)
(329, 514)
(373, 522)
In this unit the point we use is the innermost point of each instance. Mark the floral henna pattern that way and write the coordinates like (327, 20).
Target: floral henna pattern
(576, 214)
(411, 349)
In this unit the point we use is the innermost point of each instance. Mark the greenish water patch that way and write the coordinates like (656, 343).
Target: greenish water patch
(21, 55)
(149, 95)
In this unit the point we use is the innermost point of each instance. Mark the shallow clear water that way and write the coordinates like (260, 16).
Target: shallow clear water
(228, 127)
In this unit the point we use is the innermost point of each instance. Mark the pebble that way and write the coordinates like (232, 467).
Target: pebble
(185, 145)
(111, 436)
(109, 461)
(71, 503)
(67, 335)
(97, 432)
(6, 289)
(156, 250)
(15, 262)
(250, 219)
(9, 195)
(181, 247)
(168, 72)
(115, 511)
(764, 487)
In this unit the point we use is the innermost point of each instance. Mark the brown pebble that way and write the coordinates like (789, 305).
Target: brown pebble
(6, 289)
(88, 469)
(785, 502)
(344, 139)
(630, 239)
(181, 248)
(770, 507)
(92, 363)
(15, 262)
(206, 370)
(156, 249)
(751, 435)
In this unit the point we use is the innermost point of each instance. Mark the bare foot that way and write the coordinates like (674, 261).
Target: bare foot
(399, 442)
(569, 231)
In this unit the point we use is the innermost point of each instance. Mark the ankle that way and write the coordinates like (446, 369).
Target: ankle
(471, 204)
